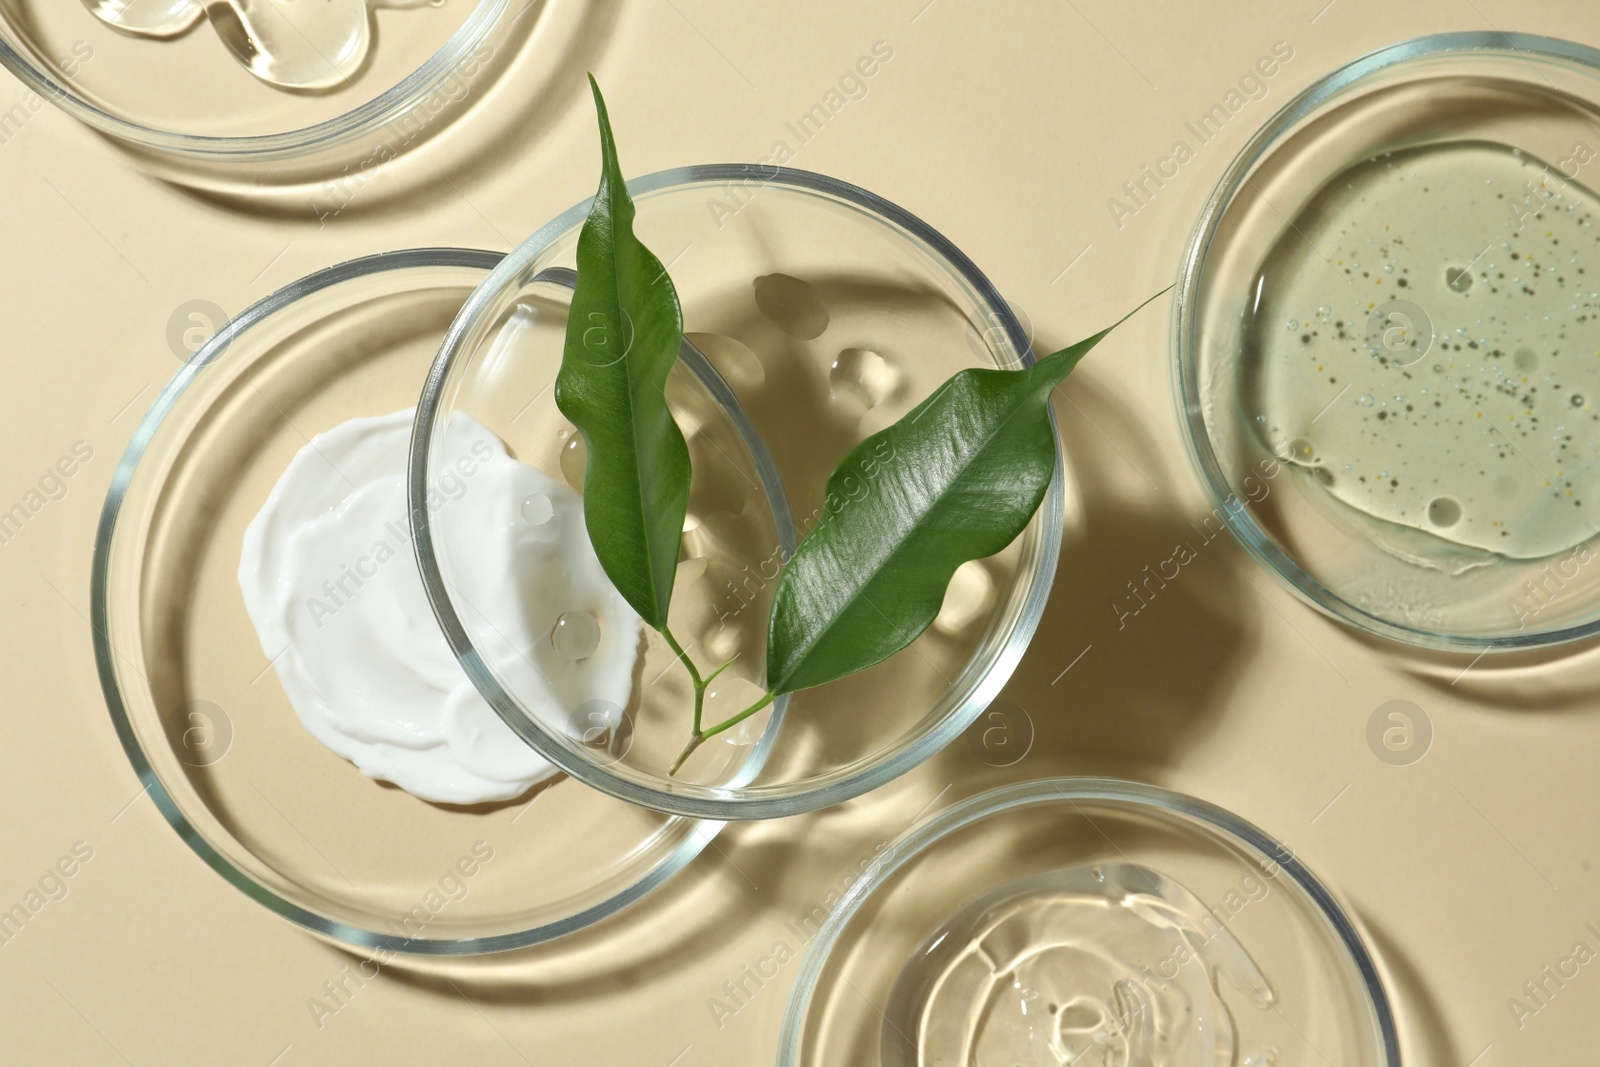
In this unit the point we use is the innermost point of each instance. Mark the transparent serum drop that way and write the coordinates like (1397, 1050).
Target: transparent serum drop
(735, 360)
(575, 635)
(148, 18)
(574, 461)
(1112, 964)
(537, 509)
(862, 379)
(1444, 338)
(288, 44)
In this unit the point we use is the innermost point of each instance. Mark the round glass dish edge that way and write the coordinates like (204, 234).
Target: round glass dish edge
(393, 102)
(1184, 381)
(1043, 790)
(110, 685)
(733, 807)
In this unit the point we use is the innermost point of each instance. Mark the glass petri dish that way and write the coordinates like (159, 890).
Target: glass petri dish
(201, 713)
(1382, 339)
(831, 313)
(1086, 913)
(188, 97)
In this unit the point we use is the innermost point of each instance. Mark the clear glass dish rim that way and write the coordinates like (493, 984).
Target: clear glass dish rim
(731, 807)
(110, 684)
(382, 109)
(1056, 790)
(1191, 268)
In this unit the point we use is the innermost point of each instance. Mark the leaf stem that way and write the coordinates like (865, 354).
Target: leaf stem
(699, 736)
(739, 718)
(694, 675)
(677, 649)
(701, 684)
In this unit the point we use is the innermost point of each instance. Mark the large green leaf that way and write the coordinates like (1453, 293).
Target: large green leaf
(956, 479)
(623, 334)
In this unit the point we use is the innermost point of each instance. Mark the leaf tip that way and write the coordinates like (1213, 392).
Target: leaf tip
(609, 168)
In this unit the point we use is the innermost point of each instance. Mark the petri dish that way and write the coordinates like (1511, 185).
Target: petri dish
(200, 711)
(830, 312)
(1384, 343)
(1087, 918)
(188, 98)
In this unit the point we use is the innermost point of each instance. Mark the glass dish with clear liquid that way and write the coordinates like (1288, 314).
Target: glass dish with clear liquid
(283, 102)
(1387, 350)
(1090, 922)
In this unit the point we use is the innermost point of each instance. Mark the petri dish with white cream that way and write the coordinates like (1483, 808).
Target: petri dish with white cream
(273, 669)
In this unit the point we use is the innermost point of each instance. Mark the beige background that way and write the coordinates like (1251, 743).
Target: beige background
(1007, 125)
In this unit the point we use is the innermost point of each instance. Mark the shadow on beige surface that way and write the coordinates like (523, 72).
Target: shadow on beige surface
(1128, 666)
(1425, 1037)
(667, 933)
(1548, 679)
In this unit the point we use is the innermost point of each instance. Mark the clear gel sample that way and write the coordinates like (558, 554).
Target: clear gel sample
(292, 44)
(1108, 966)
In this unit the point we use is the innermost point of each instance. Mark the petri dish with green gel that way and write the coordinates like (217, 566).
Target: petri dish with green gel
(1386, 342)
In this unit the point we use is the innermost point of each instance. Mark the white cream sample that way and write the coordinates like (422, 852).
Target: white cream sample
(330, 582)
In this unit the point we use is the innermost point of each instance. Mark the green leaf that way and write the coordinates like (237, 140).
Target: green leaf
(623, 334)
(957, 478)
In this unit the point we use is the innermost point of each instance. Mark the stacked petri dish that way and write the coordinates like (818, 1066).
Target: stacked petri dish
(819, 315)
(194, 695)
